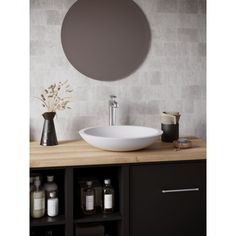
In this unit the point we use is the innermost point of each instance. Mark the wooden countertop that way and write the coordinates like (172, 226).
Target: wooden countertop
(79, 153)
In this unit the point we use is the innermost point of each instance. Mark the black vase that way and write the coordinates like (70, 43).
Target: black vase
(49, 137)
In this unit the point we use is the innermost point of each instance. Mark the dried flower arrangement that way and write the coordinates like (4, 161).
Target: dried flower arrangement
(52, 97)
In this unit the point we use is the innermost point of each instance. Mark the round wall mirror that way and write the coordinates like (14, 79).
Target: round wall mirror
(105, 39)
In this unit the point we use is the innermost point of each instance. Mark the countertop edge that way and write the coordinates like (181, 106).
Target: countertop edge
(78, 153)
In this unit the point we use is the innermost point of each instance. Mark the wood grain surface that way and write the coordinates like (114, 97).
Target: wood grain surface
(79, 153)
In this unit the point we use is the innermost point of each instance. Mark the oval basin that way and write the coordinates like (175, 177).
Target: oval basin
(120, 138)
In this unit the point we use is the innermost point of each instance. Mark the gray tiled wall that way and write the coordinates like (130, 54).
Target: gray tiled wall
(172, 78)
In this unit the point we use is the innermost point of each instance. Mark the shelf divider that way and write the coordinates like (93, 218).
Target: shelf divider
(69, 208)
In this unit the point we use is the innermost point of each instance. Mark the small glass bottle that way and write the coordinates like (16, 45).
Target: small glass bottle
(108, 197)
(89, 199)
(50, 186)
(37, 200)
(52, 205)
(37, 177)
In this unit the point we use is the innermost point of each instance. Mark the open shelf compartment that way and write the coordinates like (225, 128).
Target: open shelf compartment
(97, 174)
(70, 214)
(59, 179)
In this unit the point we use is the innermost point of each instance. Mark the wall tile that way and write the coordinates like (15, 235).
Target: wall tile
(201, 21)
(53, 17)
(168, 48)
(202, 49)
(187, 125)
(167, 6)
(199, 127)
(193, 92)
(173, 105)
(188, 106)
(57, 4)
(188, 6)
(38, 32)
(186, 20)
(193, 49)
(37, 48)
(152, 121)
(37, 17)
(143, 108)
(170, 92)
(202, 35)
(202, 6)
(41, 4)
(165, 20)
(155, 78)
(188, 35)
(182, 49)
(165, 35)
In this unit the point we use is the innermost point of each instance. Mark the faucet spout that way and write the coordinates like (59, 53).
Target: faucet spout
(113, 105)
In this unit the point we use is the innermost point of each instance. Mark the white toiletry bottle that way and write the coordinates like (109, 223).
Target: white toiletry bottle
(52, 205)
(50, 186)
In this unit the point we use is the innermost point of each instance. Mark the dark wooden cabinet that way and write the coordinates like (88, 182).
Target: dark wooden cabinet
(156, 199)
(168, 199)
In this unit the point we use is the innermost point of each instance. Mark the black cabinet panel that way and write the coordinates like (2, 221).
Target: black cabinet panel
(168, 199)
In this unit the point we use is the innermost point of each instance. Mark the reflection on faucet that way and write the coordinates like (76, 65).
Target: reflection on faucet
(113, 105)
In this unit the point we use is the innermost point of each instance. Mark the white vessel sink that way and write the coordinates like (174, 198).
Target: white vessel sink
(120, 138)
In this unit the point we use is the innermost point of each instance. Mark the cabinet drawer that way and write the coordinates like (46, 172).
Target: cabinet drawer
(171, 175)
(168, 199)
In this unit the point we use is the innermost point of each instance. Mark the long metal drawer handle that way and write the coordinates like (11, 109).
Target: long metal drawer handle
(180, 190)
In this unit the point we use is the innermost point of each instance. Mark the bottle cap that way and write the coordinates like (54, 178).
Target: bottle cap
(37, 182)
(107, 181)
(50, 178)
(89, 183)
(52, 194)
(37, 177)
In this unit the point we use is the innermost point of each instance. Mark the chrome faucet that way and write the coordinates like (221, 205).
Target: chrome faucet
(113, 105)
